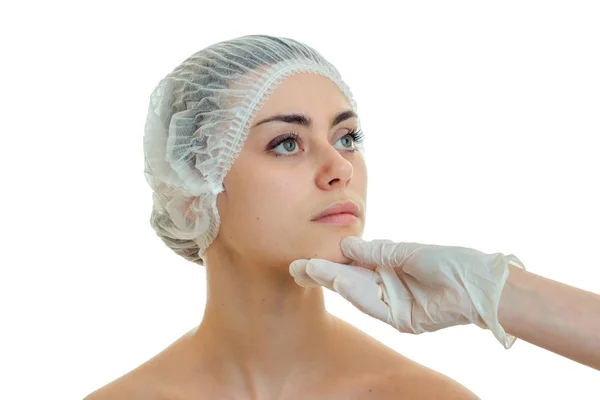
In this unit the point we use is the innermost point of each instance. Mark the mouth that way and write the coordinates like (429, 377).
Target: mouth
(345, 213)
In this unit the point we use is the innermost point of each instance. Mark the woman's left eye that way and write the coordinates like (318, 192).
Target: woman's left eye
(347, 141)
(351, 139)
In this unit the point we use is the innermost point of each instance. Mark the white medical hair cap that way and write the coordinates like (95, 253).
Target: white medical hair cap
(198, 120)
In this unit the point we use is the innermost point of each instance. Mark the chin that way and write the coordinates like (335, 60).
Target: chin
(329, 249)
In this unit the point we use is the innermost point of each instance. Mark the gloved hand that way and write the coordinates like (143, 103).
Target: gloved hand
(416, 287)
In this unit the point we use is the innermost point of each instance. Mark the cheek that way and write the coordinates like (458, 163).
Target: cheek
(276, 206)
(359, 178)
(263, 208)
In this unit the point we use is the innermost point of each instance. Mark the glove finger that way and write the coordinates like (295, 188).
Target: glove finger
(401, 300)
(360, 251)
(361, 288)
(364, 295)
(325, 272)
(298, 272)
(377, 252)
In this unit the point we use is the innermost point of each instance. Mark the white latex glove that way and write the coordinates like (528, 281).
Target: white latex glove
(416, 287)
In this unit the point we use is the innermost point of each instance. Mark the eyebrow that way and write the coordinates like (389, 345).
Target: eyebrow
(304, 120)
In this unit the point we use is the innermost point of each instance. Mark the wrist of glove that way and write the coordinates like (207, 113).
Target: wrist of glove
(416, 287)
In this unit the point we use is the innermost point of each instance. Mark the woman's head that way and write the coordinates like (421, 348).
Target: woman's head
(289, 172)
(218, 175)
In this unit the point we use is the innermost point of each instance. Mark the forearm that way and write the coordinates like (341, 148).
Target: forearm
(552, 315)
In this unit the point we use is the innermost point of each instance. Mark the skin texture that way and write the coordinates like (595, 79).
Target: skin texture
(262, 336)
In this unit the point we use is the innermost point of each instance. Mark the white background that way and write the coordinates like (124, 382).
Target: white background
(482, 123)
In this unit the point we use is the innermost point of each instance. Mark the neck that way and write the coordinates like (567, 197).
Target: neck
(260, 330)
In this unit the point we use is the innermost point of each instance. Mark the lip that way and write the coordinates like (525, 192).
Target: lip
(348, 209)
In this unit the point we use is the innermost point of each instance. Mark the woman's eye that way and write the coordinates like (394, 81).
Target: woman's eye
(287, 146)
(347, 141)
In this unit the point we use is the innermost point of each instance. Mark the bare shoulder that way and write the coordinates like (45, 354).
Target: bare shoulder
(145, 382)
(153, 384)
(114, 390)
(159, 378)
(386, 374)
(129, 386)
(423, 383)
(409, 381)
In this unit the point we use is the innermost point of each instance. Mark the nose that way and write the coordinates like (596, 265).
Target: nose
(334, 171)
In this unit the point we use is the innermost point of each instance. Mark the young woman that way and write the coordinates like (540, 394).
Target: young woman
(255, 154)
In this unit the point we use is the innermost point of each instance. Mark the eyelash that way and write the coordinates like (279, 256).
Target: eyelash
(356, 134)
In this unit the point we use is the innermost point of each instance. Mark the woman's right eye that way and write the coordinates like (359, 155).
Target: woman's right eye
(285, 145)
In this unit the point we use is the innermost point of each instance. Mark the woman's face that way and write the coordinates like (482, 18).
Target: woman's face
(280, 183)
